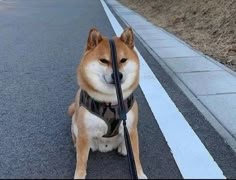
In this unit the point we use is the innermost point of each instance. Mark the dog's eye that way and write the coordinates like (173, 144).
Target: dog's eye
(104, 61)
(123, 60)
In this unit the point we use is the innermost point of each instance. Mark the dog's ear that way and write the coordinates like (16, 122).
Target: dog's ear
(94, 39)
(128, 37)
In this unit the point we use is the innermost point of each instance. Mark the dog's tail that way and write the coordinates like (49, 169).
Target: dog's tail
(71, 109)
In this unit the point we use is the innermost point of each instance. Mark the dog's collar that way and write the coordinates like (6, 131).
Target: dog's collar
(106, 111)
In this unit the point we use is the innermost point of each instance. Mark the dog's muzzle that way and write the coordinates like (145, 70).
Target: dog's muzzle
(120, 77)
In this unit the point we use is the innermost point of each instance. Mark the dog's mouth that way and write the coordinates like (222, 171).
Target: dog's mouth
(112, 82)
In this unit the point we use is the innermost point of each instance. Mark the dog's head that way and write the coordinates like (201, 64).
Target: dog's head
(95, 74)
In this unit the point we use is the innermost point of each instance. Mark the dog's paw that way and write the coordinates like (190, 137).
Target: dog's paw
(80, 175)
(142, 176)
(122, 150)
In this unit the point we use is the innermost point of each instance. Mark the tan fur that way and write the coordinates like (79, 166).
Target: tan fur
(71, 109)
(135, 142)
(83, 122)
(82, 146)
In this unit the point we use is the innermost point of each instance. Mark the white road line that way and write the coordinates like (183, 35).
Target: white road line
(191, 156)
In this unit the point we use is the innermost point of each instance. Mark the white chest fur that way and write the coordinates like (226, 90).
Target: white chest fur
(97, 128)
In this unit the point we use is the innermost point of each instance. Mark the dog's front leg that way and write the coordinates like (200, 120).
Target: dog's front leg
(135, 147)
(82, 152)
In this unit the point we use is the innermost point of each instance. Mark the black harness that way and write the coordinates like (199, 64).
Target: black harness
(107, 112)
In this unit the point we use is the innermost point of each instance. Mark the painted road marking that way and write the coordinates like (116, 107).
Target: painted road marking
(191, 156)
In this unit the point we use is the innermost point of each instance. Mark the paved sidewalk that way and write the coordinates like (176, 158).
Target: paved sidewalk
(210, 85)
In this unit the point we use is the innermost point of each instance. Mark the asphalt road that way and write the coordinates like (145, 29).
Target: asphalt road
(41, 43)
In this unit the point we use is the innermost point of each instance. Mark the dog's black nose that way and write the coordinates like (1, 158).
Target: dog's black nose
(119, 74)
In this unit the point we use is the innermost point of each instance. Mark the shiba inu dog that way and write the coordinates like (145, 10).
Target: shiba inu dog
(95, 121)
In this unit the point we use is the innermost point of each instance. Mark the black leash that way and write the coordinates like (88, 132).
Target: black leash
(122, 111)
